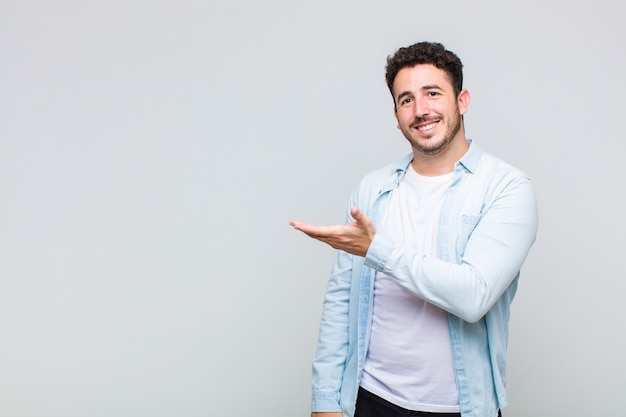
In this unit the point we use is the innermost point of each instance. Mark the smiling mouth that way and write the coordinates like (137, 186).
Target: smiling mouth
(427, 126)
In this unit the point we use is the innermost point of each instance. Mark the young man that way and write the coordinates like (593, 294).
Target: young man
(415, 317)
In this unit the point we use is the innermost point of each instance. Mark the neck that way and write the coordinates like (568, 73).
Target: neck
(441, 163)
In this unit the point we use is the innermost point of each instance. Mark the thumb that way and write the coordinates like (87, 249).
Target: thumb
(358, 215)
(361, 220)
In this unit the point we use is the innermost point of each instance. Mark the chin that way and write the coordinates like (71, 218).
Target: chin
(431, 148)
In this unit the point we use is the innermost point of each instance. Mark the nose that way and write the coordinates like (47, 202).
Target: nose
(422, 107)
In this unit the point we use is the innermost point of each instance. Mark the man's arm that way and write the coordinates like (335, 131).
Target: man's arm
(332, 345)
(493, 256)
(490, 259)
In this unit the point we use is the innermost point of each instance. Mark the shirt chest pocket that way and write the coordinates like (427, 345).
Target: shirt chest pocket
(468, 224)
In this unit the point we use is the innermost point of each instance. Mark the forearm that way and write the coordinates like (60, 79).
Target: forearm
(484, 262)
(458, 289)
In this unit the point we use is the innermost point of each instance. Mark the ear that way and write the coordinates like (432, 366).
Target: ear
(463, 101)
(395, 114)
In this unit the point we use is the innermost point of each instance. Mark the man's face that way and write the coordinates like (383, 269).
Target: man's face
(427, 110)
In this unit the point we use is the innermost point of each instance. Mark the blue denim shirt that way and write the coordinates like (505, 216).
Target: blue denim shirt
(487, 224)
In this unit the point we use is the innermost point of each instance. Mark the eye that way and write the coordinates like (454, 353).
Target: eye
(432, 94)
(405, 101)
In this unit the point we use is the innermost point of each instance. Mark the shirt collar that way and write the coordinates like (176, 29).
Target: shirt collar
(469, 161)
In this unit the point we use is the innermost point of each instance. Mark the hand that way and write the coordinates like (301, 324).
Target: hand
(327, 414)
(354, 238)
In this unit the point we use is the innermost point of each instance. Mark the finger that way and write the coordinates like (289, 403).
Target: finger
(296, 224)
(311, 229)
(302, 226)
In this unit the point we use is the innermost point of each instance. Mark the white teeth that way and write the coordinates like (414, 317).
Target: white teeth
(428, 126)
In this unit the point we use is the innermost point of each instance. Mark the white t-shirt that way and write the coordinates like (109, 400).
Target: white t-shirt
(409, 360)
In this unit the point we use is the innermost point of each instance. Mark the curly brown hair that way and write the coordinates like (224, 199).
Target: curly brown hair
(426, 53)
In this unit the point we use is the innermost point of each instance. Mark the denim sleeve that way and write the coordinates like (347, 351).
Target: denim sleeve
(332, 346)
(488, 263)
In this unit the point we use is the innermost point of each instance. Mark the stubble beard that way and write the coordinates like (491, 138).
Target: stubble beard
(436, 147)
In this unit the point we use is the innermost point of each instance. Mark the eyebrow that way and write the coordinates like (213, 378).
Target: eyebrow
(432, 87)
(403, 94)
(424, 88)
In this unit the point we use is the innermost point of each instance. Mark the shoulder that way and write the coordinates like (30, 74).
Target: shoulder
(492, 178)
(490, 167)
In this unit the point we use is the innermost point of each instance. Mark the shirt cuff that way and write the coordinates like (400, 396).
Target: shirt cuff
(325, 401)
(378, 253)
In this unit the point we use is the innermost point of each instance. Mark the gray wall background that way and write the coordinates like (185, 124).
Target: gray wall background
(153, 153)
